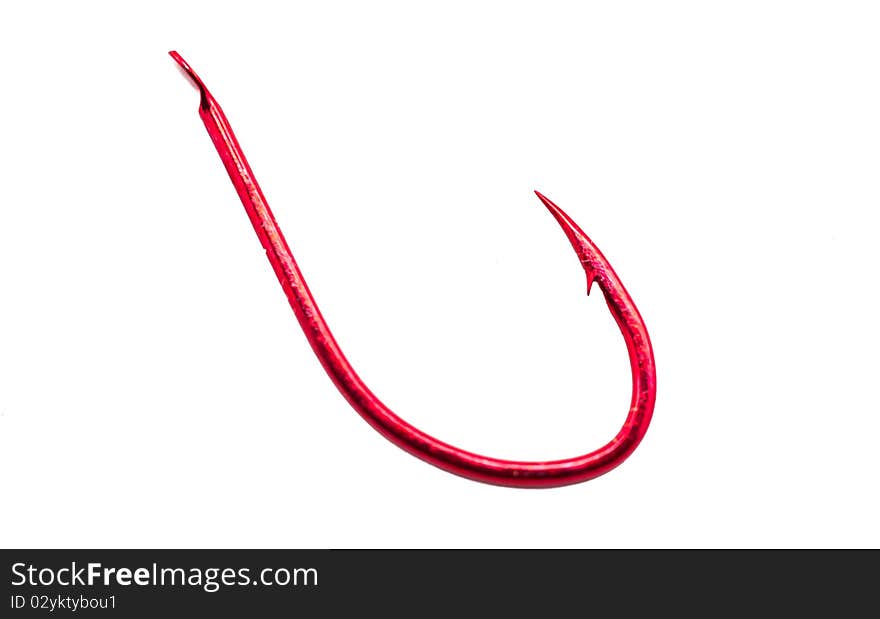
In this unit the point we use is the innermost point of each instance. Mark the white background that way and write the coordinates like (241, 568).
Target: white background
(156, 390)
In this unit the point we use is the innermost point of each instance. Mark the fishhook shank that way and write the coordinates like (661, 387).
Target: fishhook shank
(473, 466)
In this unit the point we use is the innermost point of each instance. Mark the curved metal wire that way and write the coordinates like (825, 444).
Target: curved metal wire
(474, 466)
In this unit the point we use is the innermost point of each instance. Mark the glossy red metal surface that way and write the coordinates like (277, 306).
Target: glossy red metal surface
(398, 431)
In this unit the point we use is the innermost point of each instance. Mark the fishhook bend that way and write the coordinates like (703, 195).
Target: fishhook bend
(473, 466)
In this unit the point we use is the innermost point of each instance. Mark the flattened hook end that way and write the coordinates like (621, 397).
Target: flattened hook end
(192, 76)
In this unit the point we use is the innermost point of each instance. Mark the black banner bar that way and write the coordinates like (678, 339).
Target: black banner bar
(540, 583)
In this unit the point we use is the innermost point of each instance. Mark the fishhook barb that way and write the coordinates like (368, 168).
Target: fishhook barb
(485, 469)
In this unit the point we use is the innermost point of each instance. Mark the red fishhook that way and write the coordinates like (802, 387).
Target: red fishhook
(481, 468)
